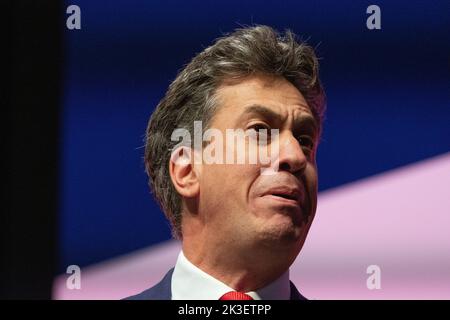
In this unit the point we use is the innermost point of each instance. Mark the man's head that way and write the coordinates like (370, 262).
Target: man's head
(253, 78)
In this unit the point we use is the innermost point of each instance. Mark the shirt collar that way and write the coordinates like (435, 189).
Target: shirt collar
(191, 283)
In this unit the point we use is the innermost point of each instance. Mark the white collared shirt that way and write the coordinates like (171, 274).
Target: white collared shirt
(191, 283)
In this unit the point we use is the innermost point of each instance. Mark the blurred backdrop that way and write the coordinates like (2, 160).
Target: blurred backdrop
(388, 100)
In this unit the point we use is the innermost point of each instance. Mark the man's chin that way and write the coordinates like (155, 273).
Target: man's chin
(283, 231)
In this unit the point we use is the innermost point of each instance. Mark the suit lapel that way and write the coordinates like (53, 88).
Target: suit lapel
(295, 294)
(161, 291)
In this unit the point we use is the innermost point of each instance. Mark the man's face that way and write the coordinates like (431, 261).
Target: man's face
(241, 205)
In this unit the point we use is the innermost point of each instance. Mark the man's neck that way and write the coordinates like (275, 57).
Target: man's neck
(243, 273)
(190, 282)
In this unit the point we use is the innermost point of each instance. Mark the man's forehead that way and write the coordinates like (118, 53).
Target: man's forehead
(264, 95)
(275, 112)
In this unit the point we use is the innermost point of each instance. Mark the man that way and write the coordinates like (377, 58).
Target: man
(241, 228)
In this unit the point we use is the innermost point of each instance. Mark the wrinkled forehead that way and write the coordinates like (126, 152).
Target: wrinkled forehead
(268, 96)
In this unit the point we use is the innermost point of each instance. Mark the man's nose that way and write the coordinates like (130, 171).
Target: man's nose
(291, 156)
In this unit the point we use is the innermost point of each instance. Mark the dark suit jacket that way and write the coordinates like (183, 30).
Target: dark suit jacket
(163, 291)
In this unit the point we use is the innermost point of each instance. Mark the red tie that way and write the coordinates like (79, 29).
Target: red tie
(235, 295)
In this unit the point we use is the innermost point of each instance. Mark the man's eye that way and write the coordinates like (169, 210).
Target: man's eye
(259, 127)
(261, 130)
(306, 141)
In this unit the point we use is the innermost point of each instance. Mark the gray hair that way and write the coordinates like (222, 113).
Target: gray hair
(190, 97)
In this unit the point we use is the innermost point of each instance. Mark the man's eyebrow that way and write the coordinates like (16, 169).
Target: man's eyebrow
(308, 122)
(304, 121)
(260, 110)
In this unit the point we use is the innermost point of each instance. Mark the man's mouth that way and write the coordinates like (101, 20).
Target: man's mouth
(283, 199)
(286, 195)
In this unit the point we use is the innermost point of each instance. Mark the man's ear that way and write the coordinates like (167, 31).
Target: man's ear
(183, 173)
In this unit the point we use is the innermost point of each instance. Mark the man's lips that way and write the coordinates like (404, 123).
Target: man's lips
(286, 195)
(282, 200)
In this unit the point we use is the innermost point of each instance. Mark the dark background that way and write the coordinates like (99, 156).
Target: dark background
(30, 98)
